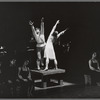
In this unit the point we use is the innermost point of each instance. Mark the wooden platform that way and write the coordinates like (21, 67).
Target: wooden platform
(47, 76)
(49, 72)
(55, 86)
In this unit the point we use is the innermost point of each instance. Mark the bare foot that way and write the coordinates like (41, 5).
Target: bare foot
(38, 68)
(56, 68)
(46, 69)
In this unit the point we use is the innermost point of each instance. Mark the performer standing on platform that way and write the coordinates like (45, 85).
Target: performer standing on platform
(40, 39)
(49, 52)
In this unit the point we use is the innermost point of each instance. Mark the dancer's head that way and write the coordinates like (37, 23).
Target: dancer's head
(38, 31)
(55, 34)
(94, 55)
(25, 63)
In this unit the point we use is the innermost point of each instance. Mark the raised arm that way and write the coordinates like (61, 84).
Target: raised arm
(53, 29)
(42, 28)
(33, 30)
(61, 33)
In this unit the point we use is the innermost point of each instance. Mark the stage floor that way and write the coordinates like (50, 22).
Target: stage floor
(51, 85)
(69, 90)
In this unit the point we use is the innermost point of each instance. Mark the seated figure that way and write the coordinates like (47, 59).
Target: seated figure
(94, 67)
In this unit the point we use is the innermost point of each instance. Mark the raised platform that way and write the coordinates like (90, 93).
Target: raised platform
(65, 84)
(47, 76)
(49, 72)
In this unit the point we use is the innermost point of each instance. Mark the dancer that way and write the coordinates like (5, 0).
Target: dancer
(40, 39)
(94, 68)
(49, 52)
(24, 75)
(93, 63)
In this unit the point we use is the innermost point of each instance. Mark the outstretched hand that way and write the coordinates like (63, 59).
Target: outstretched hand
(66, 29)
(30, 22)
(58, 21)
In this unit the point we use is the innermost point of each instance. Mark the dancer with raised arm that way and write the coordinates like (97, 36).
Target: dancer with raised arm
(40, 39)
(49, 52)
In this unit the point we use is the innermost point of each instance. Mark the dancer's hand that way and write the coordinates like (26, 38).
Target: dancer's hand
(31, 23)
(58, 21)
(66, 29)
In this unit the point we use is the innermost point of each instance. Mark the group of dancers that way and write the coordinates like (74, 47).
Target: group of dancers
(45, 49)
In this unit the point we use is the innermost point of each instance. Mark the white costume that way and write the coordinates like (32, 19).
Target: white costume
(49, 52)
(49, 49)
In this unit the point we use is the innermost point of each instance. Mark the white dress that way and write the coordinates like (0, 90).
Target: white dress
(49, 50)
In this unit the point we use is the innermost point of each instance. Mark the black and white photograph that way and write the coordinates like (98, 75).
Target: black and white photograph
(50, 50)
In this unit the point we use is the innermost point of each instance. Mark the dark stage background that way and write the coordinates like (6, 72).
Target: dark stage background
(83, 20)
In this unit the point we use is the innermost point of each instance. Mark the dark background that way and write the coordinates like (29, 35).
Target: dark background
(83, 20)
